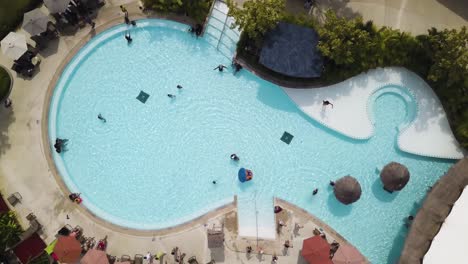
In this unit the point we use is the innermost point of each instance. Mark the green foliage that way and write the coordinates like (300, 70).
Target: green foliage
(5, 82)
(164, 6)
(448, 75)
(11, 13)
(42, 259)
(256, 17)
(301, 20)
(196, 9)
(10, 230)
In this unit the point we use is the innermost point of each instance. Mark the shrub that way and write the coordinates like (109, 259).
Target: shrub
(10, 230)
(11, 13)
(5, 83)
(255, 18)
(196, 9)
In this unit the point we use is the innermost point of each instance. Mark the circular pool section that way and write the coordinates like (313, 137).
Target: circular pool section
(151, 165)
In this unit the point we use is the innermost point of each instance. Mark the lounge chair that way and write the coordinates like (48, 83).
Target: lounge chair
(125, 258)
(192, 260)
(15, 198)
(138, 259)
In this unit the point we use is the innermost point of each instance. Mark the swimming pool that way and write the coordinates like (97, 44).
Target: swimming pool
(151, 165)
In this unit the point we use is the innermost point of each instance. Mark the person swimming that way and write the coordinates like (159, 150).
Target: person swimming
(220, 67)
(179, 86)
(234, 157)
(101, 118)
(214, 182)
(171, 96)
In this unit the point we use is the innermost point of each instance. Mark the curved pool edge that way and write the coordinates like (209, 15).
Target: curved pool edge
(380, 78)
(47, 149)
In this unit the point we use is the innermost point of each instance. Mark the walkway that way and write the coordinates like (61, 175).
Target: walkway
(24, 169)
(443, 206)
(428, 135)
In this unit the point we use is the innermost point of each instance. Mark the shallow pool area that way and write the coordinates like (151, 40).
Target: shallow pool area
(151, 165)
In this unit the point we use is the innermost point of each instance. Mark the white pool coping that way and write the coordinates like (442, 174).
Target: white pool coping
(428, 134)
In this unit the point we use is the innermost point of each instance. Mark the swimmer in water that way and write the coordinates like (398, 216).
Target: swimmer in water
(234, 157)
(171, 96)
(220, 67)
(101, 118)
(179, 86)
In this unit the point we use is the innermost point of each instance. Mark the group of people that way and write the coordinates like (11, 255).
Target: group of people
(173, 96)
(197, 30)
(75, 197)
(60, 145)
(128, 37)
(235, 64)
(177, 256)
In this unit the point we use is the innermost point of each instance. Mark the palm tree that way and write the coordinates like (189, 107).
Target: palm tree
(10, 230)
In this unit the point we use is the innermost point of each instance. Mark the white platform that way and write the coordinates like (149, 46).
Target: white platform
(449, 245)
(429, 134)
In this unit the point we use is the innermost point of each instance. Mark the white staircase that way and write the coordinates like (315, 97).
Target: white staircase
(218, 30)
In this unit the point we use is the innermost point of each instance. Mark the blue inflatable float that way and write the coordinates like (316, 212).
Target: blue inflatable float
(245, 175)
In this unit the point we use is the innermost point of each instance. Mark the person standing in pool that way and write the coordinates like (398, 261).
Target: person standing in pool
(315, 192)
(101, 118)
(128, 37)
(220, 67)
(234, 157)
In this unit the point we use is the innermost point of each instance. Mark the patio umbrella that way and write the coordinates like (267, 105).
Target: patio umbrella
(394, 176)
(67, 249)
(14, 45)
(56, 6)
(94, 256)
(347, 254)
(316, 250)
(50, 248)
(347, 190)
(35, 22)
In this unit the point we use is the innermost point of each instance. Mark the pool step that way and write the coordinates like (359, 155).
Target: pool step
(255, 215)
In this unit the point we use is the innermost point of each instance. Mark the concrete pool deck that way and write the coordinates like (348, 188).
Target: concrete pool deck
(25, 169)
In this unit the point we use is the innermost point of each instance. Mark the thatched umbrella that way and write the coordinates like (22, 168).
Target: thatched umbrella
(347, 190)
(394, 176)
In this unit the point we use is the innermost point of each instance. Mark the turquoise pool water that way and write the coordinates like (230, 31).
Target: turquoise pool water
(152, 165)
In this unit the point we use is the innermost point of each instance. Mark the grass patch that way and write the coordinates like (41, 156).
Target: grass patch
(11, 13)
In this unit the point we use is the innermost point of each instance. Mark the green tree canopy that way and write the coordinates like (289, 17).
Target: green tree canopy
(348, 45)
(5, 82)
(256, 17)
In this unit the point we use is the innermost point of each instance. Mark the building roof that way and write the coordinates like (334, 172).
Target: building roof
(30, 248)
(292, 50)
